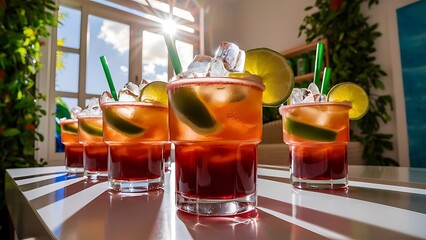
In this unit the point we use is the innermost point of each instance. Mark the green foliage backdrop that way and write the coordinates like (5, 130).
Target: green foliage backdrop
(23, 25)
(351, 46)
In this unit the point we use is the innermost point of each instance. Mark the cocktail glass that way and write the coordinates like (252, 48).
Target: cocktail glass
(215, 125)
(317, 135)
(73, 149)
(95, 154)
(135, 133)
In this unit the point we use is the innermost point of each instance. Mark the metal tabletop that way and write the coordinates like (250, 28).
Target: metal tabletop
(381, 203)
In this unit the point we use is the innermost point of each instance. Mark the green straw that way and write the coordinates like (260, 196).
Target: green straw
(318, 63)
(325, 80)
(174, 57)
(108, 77)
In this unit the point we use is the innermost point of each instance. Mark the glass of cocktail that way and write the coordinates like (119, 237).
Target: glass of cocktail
(95, 154)
(215, 125)
(73, 149)
(135, 132)
(317, 133)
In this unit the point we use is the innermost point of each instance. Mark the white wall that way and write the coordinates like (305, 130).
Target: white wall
(253, 23)
(275, 24)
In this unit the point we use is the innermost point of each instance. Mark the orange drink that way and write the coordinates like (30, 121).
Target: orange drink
(215, 126)
(95, 157)
(73, 149)
(135, 133)
(317, 135)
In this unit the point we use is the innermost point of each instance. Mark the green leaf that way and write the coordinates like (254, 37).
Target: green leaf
(11, 132)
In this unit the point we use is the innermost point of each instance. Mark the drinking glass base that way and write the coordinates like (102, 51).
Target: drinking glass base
(136, 186)
(94, 175)
(75, 169)
(302, 183)
(216, 207)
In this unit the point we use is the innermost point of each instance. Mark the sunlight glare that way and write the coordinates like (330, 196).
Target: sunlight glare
(169, 26)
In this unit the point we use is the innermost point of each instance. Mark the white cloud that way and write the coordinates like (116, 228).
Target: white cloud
(161, 77)
(149, 69)
(116, 34)
(124, 69)
(154, 49)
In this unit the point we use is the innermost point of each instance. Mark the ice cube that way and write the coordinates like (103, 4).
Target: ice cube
(129, 93)
(186, 74)
(75, 111)
(230, 54)
(106, 97)
(217, 69)
(296, 96)
(126, 95)
(305, 92)
(92, 108)
(321, 98)
(200, 65)
(309, 99)
(132, 87)
(241, 61)
(313, 88)
(142, 84)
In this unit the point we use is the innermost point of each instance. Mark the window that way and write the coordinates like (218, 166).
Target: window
(129, 34)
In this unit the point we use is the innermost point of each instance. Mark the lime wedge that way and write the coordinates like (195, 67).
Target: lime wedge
(70, 128)
(276, 74)
(192, 111)
(310, 132)
(154, 92)
(122, 125)
(353, 93)
(91, 129)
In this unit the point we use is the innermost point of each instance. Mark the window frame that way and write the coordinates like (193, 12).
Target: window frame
(46, 77)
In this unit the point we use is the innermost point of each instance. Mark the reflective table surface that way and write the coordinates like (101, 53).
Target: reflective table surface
(381, 203)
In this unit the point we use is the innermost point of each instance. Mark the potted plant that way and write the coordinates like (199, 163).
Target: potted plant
(23, 25)
(351, 45)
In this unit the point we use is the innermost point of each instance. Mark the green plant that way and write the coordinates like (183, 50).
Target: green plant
(23, 25)
(351, 45)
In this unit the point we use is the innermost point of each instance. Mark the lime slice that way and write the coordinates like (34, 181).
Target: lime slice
(310, 132)
(122, 125)
(192, 111)
(276, 74)
(154, 92)
(70, 128)
(353, 93)
(91, 129)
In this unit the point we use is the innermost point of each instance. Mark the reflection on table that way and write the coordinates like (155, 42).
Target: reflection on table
(381, 203)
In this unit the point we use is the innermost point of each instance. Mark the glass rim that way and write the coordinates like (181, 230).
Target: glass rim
(343, 104)
(128, 103)
(67, 120)
(214, 80)
(89, 116)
